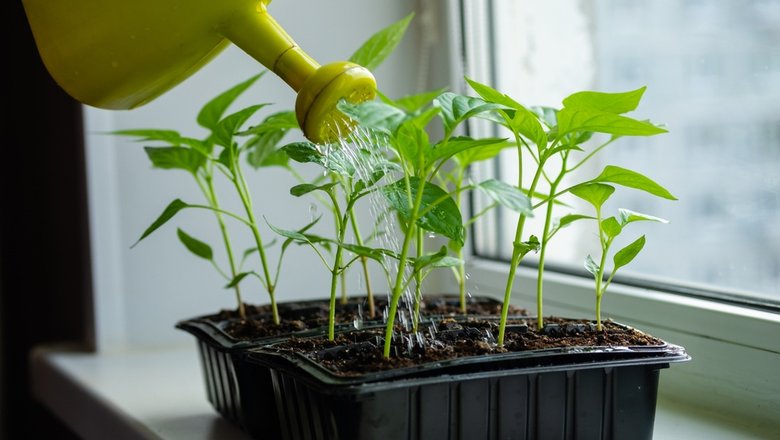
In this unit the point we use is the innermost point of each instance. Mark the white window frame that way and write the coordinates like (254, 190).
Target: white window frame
(735, 371)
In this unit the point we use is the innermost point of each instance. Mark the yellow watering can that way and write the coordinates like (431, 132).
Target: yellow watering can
(120, 54)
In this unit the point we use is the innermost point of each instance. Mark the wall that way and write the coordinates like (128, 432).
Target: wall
(140, 293)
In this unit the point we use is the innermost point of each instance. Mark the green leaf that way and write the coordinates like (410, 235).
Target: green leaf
(412, 103)
(549, 152)
(628, 253)
(168, 136)
(281, 121)
(443, 218)
(181, 158)
(632, 179)
(171, 210)
(611, 227)
(226, 158)
(194, 245)
(526, 123)
(524, 247)
(591, 266)
(294, 235)
(455, 145)
(594, 193)
(305, 188)
(490, 94)
(570, 120)
(380, 45)
(507, 196)
(376, 254)
(571, 218)
(409, 141)
(626, 216)
(606, 102)
(374, 115)
(438, 259)
(227, 127)
(485, 152)
(212, 112)
(303, 152)
(302, 230)
(262, 150)
(457, 108)
(203, 147)
(522, 120)
(237, 279)
(548, 115)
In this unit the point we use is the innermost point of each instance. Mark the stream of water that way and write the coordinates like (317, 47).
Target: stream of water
(366, 151)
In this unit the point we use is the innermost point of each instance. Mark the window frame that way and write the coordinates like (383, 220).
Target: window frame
(736, 352)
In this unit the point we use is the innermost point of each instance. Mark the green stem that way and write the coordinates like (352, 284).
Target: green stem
(545, 241)
(462, 266)
(212, 196)
(418, 280)
(364, 263)
(516, 254)
(243, 192)
(462, 282)
(397, 288)
(591, 154)
(605, 243)
(336, 269)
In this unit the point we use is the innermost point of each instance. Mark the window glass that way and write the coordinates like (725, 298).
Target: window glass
(713, 75)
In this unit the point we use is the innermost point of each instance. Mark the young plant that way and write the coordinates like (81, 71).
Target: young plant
(421, 204)
(543, 134)
(608, 230)
(454, 178)
(347, 189)
(370, 55)
(218, 154)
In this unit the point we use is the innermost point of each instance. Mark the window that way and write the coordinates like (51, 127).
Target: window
(712, 76)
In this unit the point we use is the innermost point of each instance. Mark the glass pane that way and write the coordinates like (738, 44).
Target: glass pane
(713, 75)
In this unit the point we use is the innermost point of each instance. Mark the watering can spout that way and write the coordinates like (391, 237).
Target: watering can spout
(119, 55)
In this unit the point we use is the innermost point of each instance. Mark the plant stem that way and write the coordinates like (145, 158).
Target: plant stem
(336, 269)
(516, 254)
(462, 282)
(604, 242)
(543, 252)
(418, 280)
(396, 296)
(462, 266)
(246, 200)
(212, 196)
(364, 263)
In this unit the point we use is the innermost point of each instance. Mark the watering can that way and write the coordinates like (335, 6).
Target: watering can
(120, 54)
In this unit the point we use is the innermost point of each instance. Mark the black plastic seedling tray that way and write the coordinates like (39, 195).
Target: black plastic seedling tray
(573, 393)
(242, 391)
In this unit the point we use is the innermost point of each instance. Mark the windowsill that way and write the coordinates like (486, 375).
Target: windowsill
(159, 394)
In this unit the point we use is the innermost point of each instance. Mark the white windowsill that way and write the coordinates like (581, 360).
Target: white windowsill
(159, 394)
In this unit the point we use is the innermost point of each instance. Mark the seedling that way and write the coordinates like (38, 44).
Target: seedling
(219, 154)
(543, 133)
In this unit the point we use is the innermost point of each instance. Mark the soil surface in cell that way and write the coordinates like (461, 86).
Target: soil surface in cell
(305, 315)
(361, 351)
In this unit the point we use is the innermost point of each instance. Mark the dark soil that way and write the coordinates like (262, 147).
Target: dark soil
(360, 352)
(305, 315)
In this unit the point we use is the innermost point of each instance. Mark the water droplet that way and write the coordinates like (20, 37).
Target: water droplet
(313, 211)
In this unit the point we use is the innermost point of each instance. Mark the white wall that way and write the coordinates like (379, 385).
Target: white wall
(141, 293)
